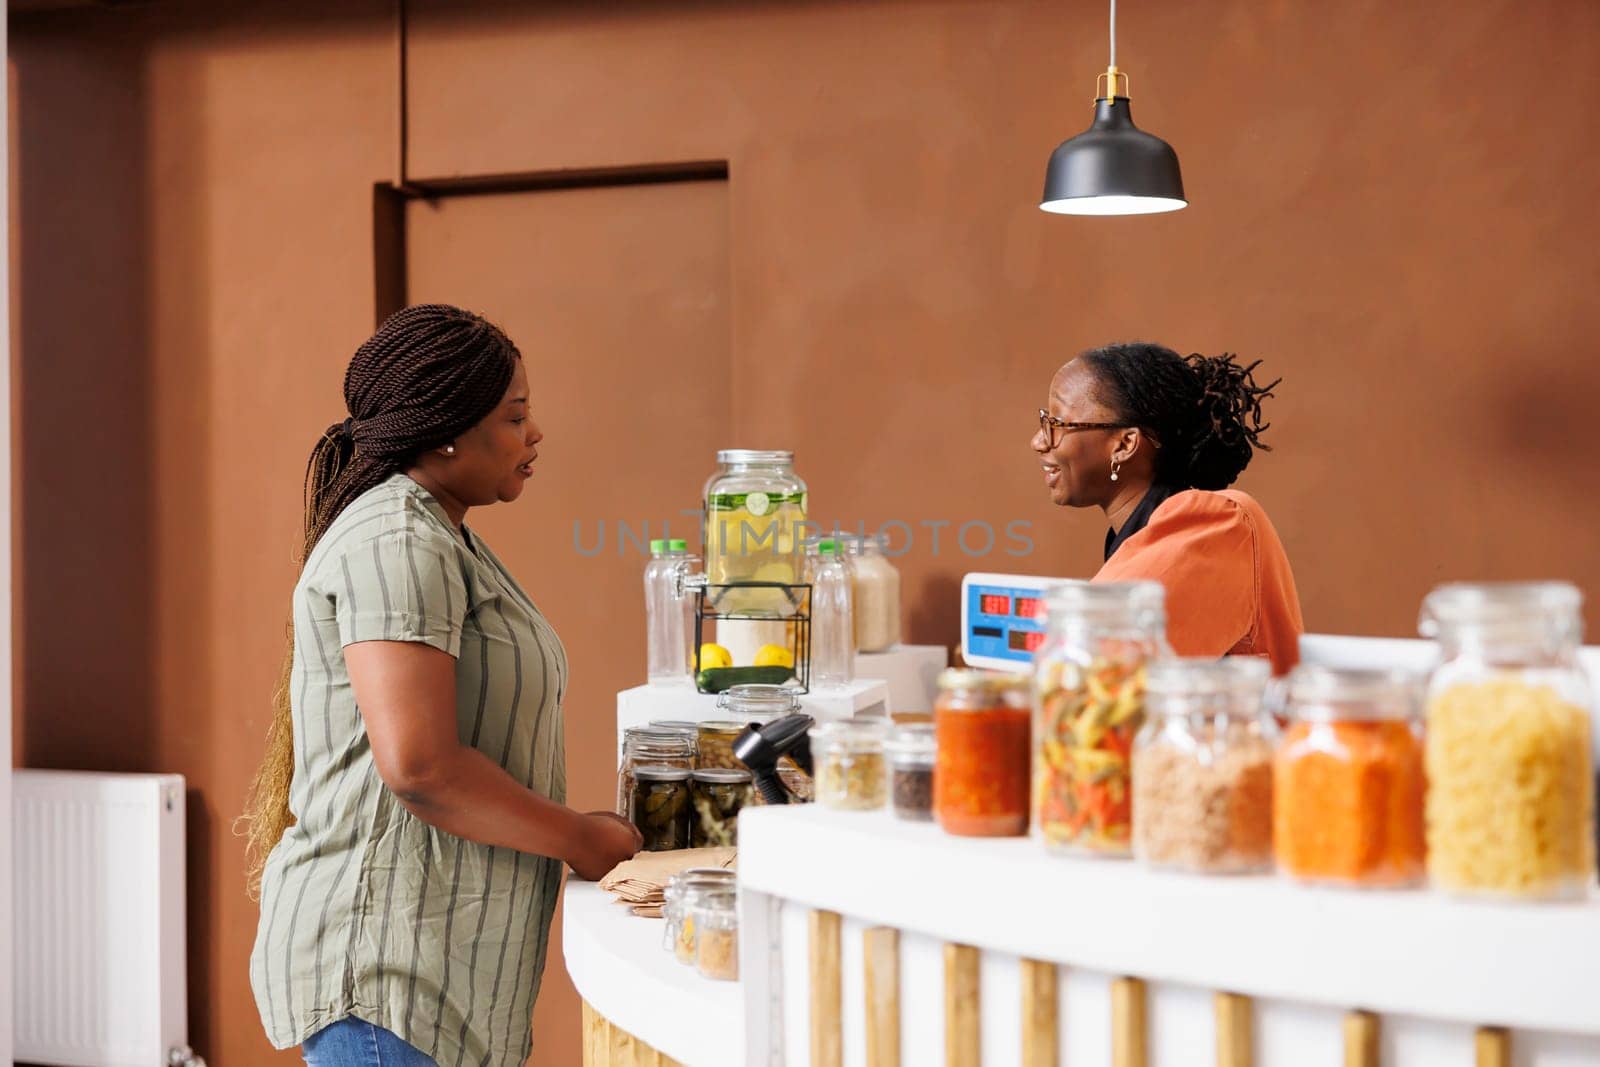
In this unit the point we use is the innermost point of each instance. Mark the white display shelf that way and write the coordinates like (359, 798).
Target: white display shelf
(619, 966)
(644, 703)
(910, 671)
(1416, 952)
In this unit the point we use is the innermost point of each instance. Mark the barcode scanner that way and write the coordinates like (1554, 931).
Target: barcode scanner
(760, 747)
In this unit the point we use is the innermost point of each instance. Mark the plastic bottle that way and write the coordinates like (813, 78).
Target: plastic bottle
(832, 623)
(668, 625)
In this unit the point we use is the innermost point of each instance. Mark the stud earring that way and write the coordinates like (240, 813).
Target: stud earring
(1115, 465)
(449, 450)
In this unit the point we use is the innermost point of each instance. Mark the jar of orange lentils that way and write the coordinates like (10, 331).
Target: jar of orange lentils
(1348, 781)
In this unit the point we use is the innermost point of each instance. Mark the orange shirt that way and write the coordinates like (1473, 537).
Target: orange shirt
(1229, 587)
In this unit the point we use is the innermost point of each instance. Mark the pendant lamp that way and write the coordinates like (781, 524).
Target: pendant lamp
(1113, 167)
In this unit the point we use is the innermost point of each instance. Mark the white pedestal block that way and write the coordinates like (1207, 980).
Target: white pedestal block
(911, 671)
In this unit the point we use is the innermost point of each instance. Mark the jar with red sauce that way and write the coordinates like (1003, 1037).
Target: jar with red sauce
(982, 728)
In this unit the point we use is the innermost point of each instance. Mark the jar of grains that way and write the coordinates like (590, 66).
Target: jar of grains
(1202, 767)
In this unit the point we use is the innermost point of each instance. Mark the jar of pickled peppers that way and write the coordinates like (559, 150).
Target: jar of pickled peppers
(982, 722)
(1088, 706)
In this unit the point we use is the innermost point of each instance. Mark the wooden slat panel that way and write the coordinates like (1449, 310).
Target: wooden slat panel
(827, 1046)
(881, 949)
(1235, 1041)
(1494, 1047)
(1129, 1047)
(622, 1047)
(1041, 1032)
(962, 1038)
(594, 1038)
(1360, 1039)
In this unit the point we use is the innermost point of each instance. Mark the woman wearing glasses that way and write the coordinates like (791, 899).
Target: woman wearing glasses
(1154, 439)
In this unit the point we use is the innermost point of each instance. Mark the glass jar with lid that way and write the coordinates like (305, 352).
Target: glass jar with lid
(1510, 756)
(851, 771)
(982, 725)
(1202, 767)
(755, 504)
(678, 900)
(717, 795)
(911, 750)
(1089, 704)
(716, 938)
(661, 806)
(1347, 779)
(663, 746)
(875, 592)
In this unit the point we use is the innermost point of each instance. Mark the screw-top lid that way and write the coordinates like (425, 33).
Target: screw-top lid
(1330, 694)
(658, 546)
(828, 547)
(653, 772)
(722, 775)
(988, 681)
(677, 544)
(754, 455)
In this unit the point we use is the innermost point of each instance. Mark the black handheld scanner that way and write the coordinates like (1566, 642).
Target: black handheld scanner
(760, 747)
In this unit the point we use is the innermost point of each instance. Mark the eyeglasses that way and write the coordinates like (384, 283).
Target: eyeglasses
(1049, 424)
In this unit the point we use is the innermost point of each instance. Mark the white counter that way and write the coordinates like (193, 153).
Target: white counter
(619, 966)
(1433, 968)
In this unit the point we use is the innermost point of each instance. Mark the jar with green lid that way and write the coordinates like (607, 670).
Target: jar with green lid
(661, 806)
(852, 774)
(678, 900)
(755, 505)
(718, 795)
(716, 938)
(668, 746)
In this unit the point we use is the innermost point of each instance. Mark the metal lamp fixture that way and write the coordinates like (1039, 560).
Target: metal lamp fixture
(1113, 167)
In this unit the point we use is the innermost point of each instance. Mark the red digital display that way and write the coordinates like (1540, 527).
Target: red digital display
(1025, 640)
(994, 604)
(1027, 607)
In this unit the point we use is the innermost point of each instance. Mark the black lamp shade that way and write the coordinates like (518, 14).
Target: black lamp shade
(1113, 168)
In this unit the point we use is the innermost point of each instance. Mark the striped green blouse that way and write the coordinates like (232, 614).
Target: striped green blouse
(365, 909)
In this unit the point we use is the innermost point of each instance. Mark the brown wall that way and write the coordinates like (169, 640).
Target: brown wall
(1380, 210)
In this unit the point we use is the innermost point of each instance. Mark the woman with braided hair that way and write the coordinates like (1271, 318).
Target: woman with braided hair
(408, 826)
(1154, 440)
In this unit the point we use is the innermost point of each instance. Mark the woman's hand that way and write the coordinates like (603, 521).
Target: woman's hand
(607, 841)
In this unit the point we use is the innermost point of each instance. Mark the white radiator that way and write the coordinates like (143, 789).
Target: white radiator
(100, 972)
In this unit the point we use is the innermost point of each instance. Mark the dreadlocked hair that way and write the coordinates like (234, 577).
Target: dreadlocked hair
(1204, 412)
(429, 374)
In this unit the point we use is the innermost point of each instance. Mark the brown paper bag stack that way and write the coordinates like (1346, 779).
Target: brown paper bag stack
(642, 881)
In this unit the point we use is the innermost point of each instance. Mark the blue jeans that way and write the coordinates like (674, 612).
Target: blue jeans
(353, 1042)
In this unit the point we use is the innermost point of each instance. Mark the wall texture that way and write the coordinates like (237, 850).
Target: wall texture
(1381, 211)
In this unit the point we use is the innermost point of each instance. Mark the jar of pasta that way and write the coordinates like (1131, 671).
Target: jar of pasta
(982, 721)
(852, 773)
(1202, 767)
(1088, 705)
(1347, 779)
(875, 593)
(669, 746)
(1510, 762)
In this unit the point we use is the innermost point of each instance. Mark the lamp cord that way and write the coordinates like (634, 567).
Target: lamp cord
(1113, 40)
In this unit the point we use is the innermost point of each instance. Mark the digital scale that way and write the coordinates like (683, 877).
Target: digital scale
(1002, 619)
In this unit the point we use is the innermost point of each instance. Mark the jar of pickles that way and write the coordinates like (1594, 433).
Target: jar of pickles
(718, 795)
(1202, 767)
(679, 898)
(875, 593)
(716, 936)
(911, 750)
(851, 771)
(982, 722)
(1088, 705)
(1347, 779)
(662, 746)
(1510, 758)
(661, 806)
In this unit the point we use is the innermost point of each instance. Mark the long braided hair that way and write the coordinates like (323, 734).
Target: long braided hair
(1204, 411)
(429, 374)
